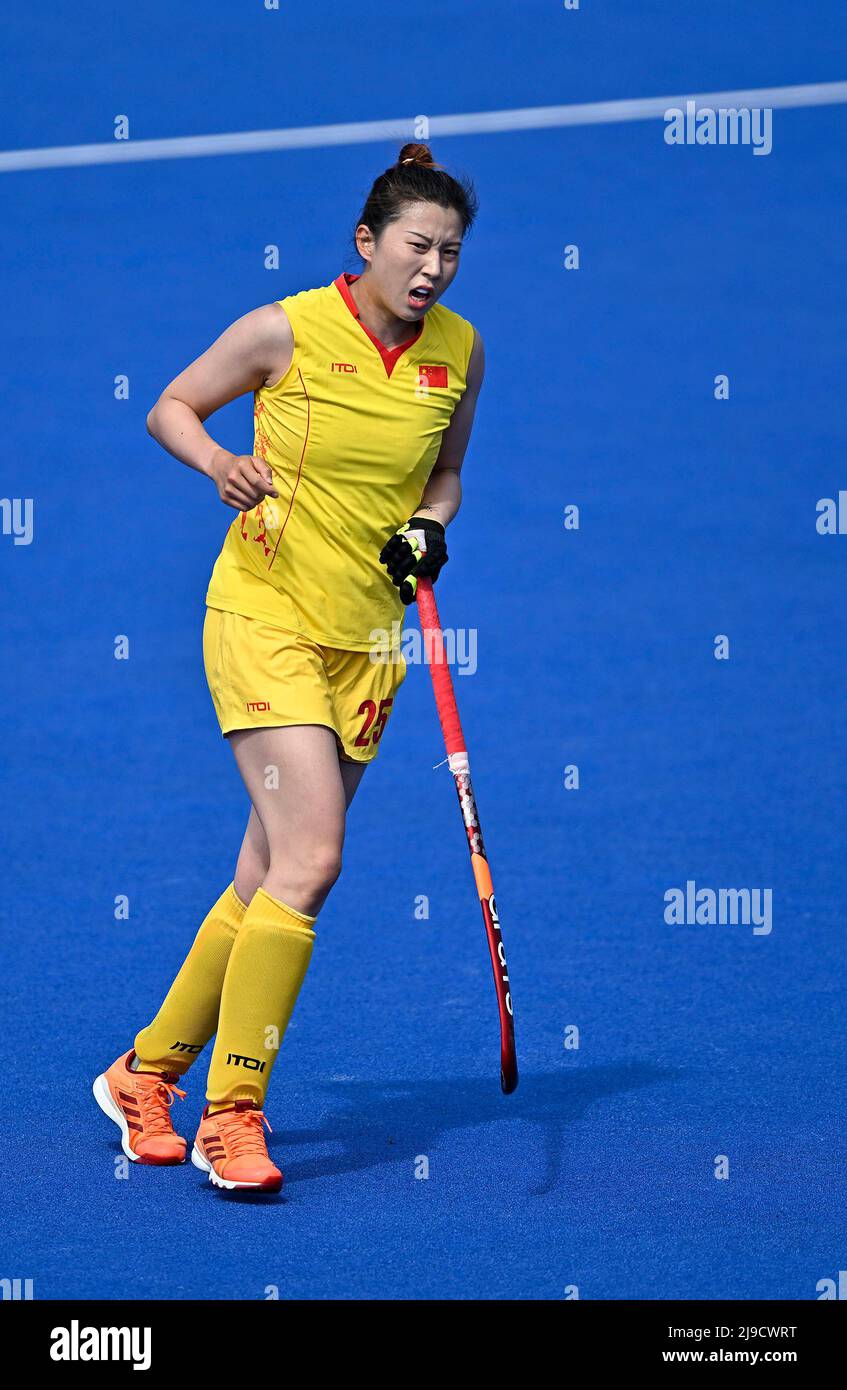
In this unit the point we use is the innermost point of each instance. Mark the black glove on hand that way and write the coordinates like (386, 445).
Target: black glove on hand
(404, 558)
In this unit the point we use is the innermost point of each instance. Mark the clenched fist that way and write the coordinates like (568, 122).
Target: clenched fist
(242, 480)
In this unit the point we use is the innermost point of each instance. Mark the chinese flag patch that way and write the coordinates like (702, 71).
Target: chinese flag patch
(432, 376)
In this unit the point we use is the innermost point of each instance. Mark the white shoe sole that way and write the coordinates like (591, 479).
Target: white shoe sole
(103, 1097)
(205, 1166)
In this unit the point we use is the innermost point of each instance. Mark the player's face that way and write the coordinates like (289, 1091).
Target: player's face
(416, 259)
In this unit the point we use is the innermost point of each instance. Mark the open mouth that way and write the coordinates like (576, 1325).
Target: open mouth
(420, 296)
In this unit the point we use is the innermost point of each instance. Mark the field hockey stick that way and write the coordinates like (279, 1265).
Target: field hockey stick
(457, 759)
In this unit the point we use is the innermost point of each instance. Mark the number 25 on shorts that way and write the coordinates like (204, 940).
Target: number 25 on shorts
(372, 729)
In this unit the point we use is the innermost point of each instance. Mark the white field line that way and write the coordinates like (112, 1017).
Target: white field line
(404, 127)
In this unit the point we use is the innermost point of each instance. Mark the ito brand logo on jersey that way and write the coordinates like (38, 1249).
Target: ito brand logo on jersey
(258, 706)
(429, 376)
(343, 367)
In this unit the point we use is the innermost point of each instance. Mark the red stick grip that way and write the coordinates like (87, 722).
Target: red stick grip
(445, 698)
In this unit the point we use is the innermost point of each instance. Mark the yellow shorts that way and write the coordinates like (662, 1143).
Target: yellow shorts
(262, 676)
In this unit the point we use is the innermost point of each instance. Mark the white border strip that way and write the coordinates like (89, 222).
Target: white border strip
(362, 132)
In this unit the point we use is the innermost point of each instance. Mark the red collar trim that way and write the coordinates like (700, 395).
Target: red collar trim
(390, 356)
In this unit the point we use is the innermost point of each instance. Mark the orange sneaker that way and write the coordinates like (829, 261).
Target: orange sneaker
(139, 1103)
(230, 1147)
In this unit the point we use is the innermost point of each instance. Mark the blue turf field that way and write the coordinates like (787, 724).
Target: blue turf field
(595, 648)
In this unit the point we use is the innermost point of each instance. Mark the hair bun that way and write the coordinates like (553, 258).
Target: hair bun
(417, 154)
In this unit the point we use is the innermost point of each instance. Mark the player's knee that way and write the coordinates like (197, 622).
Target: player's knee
(312, 871)
(323, 866)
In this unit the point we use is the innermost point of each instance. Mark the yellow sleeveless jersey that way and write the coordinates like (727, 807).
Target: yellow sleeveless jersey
(351, 433)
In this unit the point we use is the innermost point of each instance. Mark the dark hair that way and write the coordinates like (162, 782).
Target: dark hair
(416, 178)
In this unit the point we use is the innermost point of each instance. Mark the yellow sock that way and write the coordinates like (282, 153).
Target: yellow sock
(266, 969)
(189, 1015)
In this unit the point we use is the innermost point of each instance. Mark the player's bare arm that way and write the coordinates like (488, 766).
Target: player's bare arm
(442, 495)
(254, 351)
(424, 533)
